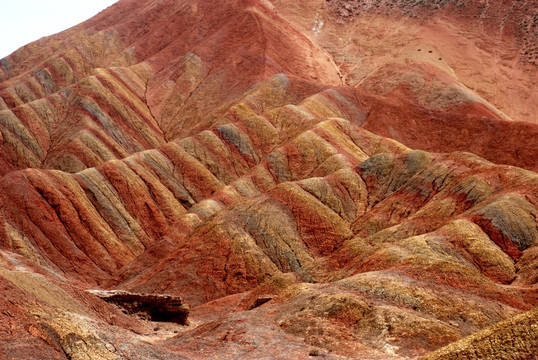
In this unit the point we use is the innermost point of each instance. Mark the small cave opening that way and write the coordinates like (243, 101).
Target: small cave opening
(153, 307)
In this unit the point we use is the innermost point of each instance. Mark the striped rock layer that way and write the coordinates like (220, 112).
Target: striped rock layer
(221, 153)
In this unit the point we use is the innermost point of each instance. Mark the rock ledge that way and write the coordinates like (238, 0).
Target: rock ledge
(154, 307)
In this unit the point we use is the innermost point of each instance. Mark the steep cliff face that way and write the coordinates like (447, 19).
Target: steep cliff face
(308, 179)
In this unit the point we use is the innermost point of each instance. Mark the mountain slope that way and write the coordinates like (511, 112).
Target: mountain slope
(232, 155)
(103, 100)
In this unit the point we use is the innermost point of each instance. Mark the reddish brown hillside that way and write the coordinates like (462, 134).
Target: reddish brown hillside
(299, 173)
(474, 62)
(126, 83)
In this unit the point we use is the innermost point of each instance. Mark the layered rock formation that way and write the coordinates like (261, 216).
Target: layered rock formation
(147, 306)
(301, 203)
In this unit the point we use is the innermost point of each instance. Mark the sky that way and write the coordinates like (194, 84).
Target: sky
(24, 21)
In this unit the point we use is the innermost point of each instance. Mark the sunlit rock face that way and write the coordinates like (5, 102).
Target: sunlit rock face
(345, 179)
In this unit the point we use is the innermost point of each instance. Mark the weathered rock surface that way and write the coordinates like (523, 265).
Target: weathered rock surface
(291, 200)
(516, 338)
(153, 307)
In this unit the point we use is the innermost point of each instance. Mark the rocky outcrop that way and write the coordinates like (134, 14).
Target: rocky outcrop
(152, 307)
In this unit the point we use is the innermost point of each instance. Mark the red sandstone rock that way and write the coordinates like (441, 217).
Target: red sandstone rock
(241, 157)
